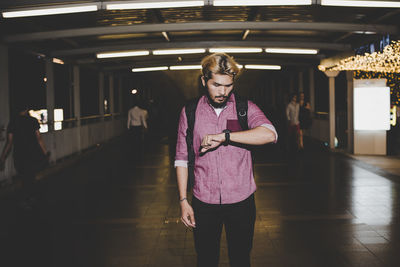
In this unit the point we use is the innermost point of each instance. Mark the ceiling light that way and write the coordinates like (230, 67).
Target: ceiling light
(235, 50)
(149, 69)
(58, 61)
(263, 67)
(53, 10)
(123, 54)
(261, 2)
(185, 67)
(350, 3)
(291, 51)
(148, 5)
(178, 51)
(364, 32)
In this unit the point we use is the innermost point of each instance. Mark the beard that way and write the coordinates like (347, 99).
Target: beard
(217, 104)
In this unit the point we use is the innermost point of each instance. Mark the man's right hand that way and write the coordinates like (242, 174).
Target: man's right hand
(187, 214)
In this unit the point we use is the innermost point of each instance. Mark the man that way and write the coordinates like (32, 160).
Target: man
(137, 120)
(224, 184)
(292, 114)
(30, 154)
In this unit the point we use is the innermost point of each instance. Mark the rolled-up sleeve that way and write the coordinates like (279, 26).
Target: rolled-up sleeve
(181, 156)
(256, 118)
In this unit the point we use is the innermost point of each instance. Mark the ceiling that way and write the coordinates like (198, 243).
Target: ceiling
(76, 38)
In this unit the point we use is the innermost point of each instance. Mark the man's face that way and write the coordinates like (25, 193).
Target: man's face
(219, 88)
(294, 98)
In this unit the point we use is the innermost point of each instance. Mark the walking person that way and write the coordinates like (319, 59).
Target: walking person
(292, 114)
(137, 124)
(29, 152)
(305, 119)
(213, 153)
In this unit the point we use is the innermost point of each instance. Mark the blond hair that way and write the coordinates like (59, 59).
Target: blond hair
(219, 63)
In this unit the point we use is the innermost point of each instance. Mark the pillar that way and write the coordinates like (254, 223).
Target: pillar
(77, 104)
(120, 96)
(111, 94)
(332, 132)
(350, 111)
(4, 107)
(301, 82)
(312, 89)
(50, 97)
(4, 92)
(101, 94)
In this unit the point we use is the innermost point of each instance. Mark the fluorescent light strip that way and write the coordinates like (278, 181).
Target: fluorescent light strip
(235, 50)
(349, 3)
(291, 51)
(149, 69)
(178, 51)
(263, 67)
(261, 2)
(49, 11)
(185, 67)
(148, 5)
(123, 54)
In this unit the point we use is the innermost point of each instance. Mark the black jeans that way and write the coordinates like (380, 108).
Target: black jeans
(238, 218)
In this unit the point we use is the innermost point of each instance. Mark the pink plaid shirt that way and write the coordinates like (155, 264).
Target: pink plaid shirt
(225, 175)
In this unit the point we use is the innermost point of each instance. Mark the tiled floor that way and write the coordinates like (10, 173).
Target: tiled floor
(316, 209)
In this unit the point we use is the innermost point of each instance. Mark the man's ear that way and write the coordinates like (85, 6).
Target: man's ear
(203, 81)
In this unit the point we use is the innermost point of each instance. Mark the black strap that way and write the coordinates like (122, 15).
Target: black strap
(241, 110)
(190, 110)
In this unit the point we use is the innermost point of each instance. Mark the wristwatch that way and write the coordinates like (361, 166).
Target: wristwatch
(227, 136)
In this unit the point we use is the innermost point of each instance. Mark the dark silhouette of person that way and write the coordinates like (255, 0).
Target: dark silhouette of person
(29, 151)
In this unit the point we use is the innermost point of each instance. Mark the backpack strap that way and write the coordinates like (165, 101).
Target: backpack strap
(190, 110)
(241, 110)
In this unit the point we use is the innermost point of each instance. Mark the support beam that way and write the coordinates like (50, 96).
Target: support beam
(101, 93)
(77, 104)
(50, 97)
(4, 92)
(4, 107)
(203, 26)
(312, 89)
(350, 111)
(301, 82)
(120, 96)
(332, 115)
(111, 94)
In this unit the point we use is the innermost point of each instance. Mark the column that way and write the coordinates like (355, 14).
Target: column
(101, 93)
(332, 132)
(111, 94)
(4, 93)
(312, 89)
(350, 111)
(291, 84)
(4, 108)
(301, 82)
(77, 105)
(120, 96)
(50, 98)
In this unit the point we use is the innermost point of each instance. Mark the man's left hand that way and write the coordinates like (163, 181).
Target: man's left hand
(211, 141)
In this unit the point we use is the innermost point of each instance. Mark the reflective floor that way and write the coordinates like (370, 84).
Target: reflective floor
(313, 209)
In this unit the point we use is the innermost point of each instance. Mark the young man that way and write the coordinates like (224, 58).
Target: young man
(224, 184)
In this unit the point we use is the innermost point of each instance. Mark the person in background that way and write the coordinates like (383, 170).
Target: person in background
(292, 114)
(29, 152)
(137, 123)
(305, 119)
